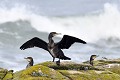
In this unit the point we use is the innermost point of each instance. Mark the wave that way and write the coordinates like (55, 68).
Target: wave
(89, 27)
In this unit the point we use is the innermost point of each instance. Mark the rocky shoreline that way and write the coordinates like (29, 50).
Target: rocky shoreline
(5, 74)
(102, 70)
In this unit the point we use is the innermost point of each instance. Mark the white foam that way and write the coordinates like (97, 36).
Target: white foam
(89, 27)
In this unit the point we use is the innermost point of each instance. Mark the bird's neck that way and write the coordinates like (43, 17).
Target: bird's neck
(51, 41)
(31, 63)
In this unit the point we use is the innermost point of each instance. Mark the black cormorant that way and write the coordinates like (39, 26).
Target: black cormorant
(92, 58)
(30, 60)
(53, 48)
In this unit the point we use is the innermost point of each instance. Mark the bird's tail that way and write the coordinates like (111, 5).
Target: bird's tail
(66, 58)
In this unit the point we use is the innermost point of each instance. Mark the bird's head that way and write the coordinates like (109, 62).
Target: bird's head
(29, 59)
(52, 34)
(94, 56)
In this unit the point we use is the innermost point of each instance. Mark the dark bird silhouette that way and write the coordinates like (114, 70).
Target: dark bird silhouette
(30, 60)
(53, 48)
(92, 58)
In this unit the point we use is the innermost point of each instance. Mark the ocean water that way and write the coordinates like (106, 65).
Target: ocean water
(96, 22)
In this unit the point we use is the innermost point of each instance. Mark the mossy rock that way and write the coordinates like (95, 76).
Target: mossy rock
(115, 69)
(5, 74)
(45, 73)
(102, 63)
(68, 66)
(66, 71)
(105, 62)
(8, 76)
(89, 75)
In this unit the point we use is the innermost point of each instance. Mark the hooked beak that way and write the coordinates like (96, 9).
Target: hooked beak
(26, 58)
(58, 34)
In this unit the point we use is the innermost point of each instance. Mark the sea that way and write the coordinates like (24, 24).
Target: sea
(95, 21)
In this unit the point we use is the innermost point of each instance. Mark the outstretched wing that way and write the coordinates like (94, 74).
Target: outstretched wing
(34, 42)
(67, 41)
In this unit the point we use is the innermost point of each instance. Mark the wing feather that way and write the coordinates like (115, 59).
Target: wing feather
(34, 42)
(67, 41)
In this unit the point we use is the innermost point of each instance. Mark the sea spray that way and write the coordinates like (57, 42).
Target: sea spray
(89, 27)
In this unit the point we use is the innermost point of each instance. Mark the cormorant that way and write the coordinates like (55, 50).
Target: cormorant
(30, 60)
(92, 59)
(53, 48)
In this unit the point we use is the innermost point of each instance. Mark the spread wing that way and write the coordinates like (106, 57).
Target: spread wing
(34, 42)
(67, 41)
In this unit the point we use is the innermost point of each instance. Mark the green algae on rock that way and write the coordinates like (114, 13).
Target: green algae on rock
(5, 74)
(46, 74)
(67, 71)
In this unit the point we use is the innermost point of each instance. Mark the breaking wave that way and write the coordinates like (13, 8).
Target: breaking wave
(90, 27)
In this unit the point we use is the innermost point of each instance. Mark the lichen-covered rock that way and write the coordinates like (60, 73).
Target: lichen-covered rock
(90, 75)
(66, 71)
(5, 74)
(69, 66)
(39, 72)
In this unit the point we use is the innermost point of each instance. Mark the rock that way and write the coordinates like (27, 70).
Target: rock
(39, 72)
(66, 71)
(5, 74)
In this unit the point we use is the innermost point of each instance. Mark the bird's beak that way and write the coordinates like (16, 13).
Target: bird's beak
(25, 58)
(58, 34)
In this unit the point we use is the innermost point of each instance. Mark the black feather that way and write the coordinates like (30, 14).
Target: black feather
(67, 41)
(34, 42)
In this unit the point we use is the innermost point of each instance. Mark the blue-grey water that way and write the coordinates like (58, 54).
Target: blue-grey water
(95, 21)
